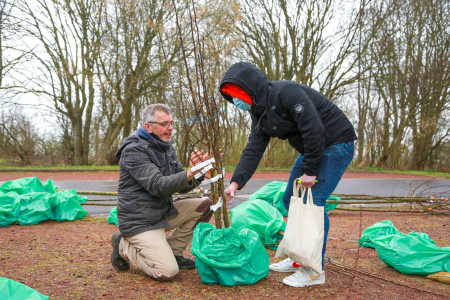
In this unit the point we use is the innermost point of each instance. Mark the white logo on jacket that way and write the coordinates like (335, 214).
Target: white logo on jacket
(298, 108)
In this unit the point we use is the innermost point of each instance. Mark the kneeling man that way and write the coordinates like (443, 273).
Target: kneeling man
(150, 173)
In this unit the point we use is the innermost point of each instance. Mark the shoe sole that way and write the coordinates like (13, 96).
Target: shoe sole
(284, 270)
(294, 284)
(115, 241)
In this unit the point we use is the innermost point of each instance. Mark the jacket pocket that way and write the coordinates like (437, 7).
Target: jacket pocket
(153, 211)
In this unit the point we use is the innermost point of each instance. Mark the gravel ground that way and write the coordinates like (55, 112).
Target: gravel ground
(70, 260)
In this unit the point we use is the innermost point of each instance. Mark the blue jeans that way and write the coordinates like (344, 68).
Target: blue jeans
(334, 163)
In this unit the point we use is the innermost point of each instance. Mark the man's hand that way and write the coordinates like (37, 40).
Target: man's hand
(308, 181)
(230, 191)
(197, 157)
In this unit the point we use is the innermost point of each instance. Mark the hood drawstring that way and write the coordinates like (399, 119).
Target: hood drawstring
(257, 125)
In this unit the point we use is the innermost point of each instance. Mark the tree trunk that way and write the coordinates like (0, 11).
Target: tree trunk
(111, 135)
(128, 106)
(77, 141)
(87, 124)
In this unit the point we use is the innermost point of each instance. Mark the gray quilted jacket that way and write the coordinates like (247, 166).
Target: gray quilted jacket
(150, 173)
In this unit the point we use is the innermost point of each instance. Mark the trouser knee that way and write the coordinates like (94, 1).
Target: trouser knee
(167, 275)
(205, 209)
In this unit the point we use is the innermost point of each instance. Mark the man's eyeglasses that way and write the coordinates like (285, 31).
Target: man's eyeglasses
(164, 124)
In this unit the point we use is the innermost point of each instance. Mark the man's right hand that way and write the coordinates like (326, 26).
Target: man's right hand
(231, 190)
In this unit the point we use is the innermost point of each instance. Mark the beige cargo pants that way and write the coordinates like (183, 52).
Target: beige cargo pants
(153, 252)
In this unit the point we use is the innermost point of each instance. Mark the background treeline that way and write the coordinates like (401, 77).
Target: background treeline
(74, 74)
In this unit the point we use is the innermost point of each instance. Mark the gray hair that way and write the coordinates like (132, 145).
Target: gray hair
(148, 115)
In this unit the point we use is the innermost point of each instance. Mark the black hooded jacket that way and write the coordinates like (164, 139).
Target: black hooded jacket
(286, 110)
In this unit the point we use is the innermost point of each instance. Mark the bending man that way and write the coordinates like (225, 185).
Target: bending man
(314, 126)
(150, 173)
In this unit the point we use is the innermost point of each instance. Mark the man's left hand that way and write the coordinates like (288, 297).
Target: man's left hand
(197, 157)
(308, 181)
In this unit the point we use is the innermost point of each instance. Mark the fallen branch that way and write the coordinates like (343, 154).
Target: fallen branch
(350, 272)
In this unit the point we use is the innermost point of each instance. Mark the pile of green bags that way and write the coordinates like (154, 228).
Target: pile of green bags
(13, 290)
(413, 253)
(260, 217)
(229, 256)
(28, 202)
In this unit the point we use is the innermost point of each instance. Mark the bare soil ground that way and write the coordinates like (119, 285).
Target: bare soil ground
(114, 175)
(70, 260)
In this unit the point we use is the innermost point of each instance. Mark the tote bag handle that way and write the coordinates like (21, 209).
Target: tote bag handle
(309, 199)
(296, 187)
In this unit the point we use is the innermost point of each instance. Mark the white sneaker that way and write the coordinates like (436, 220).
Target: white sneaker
(304, 277)
(287, 265)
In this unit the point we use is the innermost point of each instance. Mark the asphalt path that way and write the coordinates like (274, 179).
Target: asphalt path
(379, 187)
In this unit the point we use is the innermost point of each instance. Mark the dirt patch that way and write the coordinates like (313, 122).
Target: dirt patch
(114, 175)
(70, 260)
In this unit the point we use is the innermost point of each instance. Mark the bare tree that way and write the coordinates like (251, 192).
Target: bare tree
(411, 78)
(11, 54)
(69, 42)
(131, 63)
(308, 41)
(19, 137)
(201, 106)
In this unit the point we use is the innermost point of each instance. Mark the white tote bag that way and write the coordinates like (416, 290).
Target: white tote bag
(303, 238)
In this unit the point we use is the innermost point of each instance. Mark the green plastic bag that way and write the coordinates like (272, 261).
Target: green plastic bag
(229, 256)
(377, 230)
(332, 206)
(273, 194)
(7, 217)
(413, 253)
(33, 202)
(8, 198)
(28, 185)
(112, 218)
(260, 217)
(13, 290)
(32, 208)
(66, 206)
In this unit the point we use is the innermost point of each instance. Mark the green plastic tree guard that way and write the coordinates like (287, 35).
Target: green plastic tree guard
(260, 217)
(28, 185)
(413, 253)
(8, 198)
(66, 206)
(112, 218)
(29, 202)
(332, 206)
(229, 256)
(377, 230)
(32, 208)
(13, 290)
(7, 218)
(273, 194)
